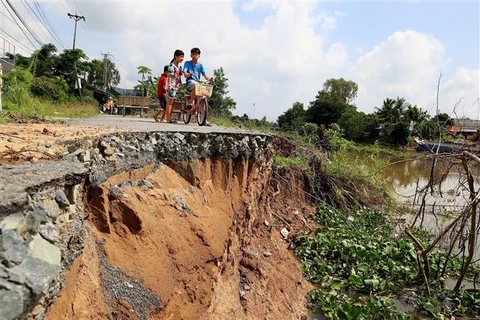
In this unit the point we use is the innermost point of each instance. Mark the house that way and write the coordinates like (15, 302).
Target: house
(465, 127)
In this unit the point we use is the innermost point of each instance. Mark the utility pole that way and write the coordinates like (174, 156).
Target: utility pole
(105, 69)
(76, 18)
(78, 83)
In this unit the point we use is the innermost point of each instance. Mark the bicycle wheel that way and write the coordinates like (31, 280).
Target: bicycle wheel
(186, 117)
(202, 112)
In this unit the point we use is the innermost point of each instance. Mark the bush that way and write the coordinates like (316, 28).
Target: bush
(55, 89)
(18, 76)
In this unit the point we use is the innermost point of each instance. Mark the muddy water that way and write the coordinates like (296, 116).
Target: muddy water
(450, 193)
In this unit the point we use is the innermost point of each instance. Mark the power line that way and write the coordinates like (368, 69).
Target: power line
(75, 7)
(30, 31)
(29, 50)
(23, 31)
(38, 26)
(40, 11)
(42, 22)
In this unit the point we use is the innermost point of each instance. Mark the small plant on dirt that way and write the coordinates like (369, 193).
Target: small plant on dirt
(280, 161)
(361, 267)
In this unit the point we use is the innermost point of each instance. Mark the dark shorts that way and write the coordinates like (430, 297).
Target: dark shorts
(163, 102)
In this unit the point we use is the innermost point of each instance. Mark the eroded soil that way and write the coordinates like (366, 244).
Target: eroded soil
(41, 141)
(198, 240)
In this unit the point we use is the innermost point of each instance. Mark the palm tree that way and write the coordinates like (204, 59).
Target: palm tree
(143, 71)
(392, 111)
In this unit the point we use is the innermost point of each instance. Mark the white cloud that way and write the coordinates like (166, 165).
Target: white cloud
(463, 91)
(407, 64)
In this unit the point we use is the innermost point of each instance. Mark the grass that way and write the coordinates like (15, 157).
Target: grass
(37, 108)
(280, 161)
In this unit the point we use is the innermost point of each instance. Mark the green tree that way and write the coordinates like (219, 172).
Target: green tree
(45, 60)
(357, 126)
(416, 114)
(293, 119)
(443, 119)
(143, 70)
(220, 103)
(95, 73)
(340, 90)
(20, 61)
(336, 97)
(69, 61)
(392, 111)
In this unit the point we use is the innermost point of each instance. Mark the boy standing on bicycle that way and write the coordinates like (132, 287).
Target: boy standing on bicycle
(193, 71)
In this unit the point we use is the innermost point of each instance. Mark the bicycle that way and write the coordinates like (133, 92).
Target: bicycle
(203, 90)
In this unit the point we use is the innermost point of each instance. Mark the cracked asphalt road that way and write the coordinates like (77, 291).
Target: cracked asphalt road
(148, 124)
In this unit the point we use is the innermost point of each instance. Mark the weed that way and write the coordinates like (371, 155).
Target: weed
(360, 267)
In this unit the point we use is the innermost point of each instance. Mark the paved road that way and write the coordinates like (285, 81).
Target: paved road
(148, 124)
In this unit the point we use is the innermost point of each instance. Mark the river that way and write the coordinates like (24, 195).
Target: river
(450, 193)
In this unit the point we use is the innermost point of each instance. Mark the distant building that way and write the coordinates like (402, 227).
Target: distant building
(465, 127)
(7, 64)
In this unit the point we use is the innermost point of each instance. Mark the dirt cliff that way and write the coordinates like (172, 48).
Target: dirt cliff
(203, 239)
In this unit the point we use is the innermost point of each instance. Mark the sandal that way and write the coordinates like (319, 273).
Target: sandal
(173, 121)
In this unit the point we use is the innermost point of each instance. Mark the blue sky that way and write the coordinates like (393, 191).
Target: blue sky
(276, 53)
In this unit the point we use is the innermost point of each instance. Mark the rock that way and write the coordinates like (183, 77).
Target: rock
(34, 219)
(49, 232)
(284, 233)
(108, 151)
(111, 158)
(7, 285)
(267, 253)
(95, 151)
(154, 141)
(38, 310)
(78, 152)
(39, 274)
(62, 199)
(71, 158)
(13, 222)
(85, 157)
(131, 148)
(115, 192)
(13, 247)
(15, 276)
(12, 304)
(43, 250)
(179, 136)
(246, 287)
(145, 183)
(73, 193)
(121, 155)
(104, 145)
(52, 209)
(3, 272)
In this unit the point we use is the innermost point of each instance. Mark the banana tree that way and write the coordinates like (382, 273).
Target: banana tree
(143, 70)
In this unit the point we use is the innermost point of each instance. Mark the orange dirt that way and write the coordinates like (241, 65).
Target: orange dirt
(203, 243)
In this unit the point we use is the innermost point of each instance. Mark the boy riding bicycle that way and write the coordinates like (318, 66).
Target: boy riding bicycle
(193, 71)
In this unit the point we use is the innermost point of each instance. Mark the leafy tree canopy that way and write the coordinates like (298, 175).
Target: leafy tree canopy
(221, 103)
(292, 119)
